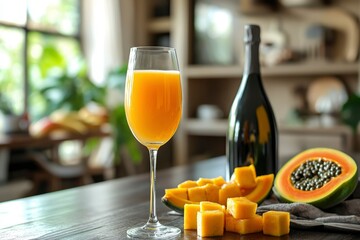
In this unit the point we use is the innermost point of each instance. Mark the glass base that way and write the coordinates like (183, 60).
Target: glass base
(157, 232)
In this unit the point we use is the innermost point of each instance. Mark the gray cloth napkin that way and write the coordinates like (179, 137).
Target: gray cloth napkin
(343, 217)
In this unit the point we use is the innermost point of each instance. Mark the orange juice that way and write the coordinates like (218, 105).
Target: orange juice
(153, 105)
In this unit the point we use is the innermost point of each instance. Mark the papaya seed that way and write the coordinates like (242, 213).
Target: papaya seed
(314, 174)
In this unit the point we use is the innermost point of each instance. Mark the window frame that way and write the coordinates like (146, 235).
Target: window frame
(27, 28)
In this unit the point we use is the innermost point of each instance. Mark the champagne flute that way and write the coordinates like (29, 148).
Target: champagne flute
(153, 110)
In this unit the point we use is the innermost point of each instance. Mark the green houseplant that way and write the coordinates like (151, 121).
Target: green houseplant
(70, 88)
(350, 115)
(122, 133)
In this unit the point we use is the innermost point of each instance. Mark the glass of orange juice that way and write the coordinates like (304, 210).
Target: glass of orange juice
(153, 106)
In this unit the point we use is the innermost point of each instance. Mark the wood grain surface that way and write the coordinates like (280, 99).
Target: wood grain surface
(106, 210)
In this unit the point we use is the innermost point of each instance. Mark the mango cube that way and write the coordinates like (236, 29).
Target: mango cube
(241, 207)
(250, 225)
(187, 184)
(276, 223)
(219, 181)
(210, 223)
(212, 192)
(243, 226)
(204, 181)
(228, 190)
(197, 194)
(230, 222)
(179, 192)
(190, 214)
(245, 176)
(207, 206)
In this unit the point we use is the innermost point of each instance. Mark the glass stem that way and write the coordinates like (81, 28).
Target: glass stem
(153, 221)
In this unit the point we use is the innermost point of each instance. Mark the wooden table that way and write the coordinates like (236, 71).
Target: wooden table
(106, 210)
(27, 142)
(24, 140)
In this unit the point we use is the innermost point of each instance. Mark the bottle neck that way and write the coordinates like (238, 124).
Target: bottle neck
(252, 64)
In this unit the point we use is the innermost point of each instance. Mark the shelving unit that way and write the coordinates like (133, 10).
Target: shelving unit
(150, 26)
(160, 25)
(298, 69)
(217, 84)
(219, 128)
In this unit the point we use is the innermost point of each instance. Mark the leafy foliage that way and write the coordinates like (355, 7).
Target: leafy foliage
(350, 113)
(121, 130)
(71, 91)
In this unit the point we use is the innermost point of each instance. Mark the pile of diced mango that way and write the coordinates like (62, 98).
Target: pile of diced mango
(243, 183)
(212, 219)
(204, 189)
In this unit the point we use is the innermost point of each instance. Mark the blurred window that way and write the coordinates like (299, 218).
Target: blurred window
(36, 36)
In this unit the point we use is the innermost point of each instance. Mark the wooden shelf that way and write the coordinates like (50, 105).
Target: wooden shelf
(219, 127)
(296, 69)
(160, 25)
(201, 71)
(314, 130)
(311, 69)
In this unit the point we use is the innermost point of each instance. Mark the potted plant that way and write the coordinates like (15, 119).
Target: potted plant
(74, 90)
(67, 86)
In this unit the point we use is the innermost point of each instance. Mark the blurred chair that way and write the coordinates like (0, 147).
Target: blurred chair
(57, 174)
(70, 168)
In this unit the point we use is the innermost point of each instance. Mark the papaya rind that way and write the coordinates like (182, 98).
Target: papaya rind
(338, 194)
(175, 203)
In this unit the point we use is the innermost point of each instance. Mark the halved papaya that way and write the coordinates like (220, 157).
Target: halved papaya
(322, 177)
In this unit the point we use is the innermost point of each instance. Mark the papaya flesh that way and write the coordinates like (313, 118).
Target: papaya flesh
(176, 199)
(262, 189)
(329, 192)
